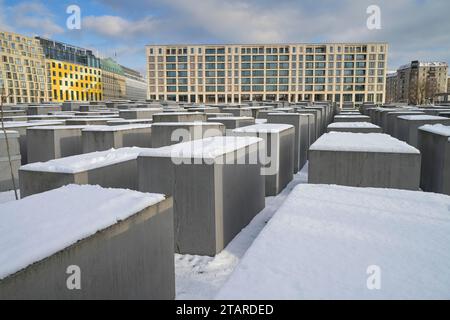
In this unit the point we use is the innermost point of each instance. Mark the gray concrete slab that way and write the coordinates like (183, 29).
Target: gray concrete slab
(278, 158)
(216, 191)
(364, 160)
(300, 123)
(99, 138)
(169, 133)
(126, 258)
(408, 126)
(434, 144)
(52, 142)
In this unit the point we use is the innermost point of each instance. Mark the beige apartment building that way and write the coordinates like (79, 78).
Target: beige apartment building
(24, 76)
(337, 72)
(417, 82)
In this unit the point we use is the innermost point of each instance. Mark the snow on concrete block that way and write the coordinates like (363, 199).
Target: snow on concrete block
(355, 127)
(351, 118)
(178, 116)
(217, 188)
(119, 242)
(408, 126)
(364, 160)
(85, 121)
(333, 242)
(300, 123)
(99, 138)
(52, 142)
(168, 133)
(391, 123)
(234, 122)
(109, 169)
(434, 145)
(278, 158)
(142, 113)
(239, 112)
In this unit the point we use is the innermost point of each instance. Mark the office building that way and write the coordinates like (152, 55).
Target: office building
(24, 76)
(287, 72)
(417, 82)
(136, 85)
(113, 80)
(75, 72)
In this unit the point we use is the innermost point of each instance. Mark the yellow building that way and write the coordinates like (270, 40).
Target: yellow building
(75, 82)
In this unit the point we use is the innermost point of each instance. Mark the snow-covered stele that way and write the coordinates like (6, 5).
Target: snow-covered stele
(332, 242)
(364, 160)
(120, 241)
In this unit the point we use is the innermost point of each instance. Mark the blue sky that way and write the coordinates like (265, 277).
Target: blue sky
(414, 29)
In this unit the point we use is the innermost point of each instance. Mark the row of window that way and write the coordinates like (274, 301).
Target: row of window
(269, 88)
(268, 49)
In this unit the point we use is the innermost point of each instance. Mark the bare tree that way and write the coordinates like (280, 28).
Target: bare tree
(3, 98)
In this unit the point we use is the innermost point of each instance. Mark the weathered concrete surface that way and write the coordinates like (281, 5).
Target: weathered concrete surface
(278, 158)
(351, 118)
(300, 123)
(234, 122)
(52, 142)
(6, 181)
(364, 166)
(107, 137)
(355, 127)
(72, 170)
(21, 128)
(408, 126)
(132, 259)
(169, 133)
(434, 144)
(178, 117)
(142, 113)
(213, 199)
(392, 121)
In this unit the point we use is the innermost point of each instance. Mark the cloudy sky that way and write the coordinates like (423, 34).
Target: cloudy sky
(414, 29)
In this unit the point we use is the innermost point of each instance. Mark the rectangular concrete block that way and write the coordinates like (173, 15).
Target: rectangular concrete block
(52, 142)
(392, 121)
(278, 158)
(42, 110)
(408, 126)
(216, 191)
(351, 118)
(98, 121)
(234, 122)
(21, 128)
(355, 127)
(6, 181)
(109, 169)
(169, 133)
(364, 160)
(178, 117)
(434, 144)
(119, 242)
(239, 112)
(300, 123)
(129, 121)
(143, 113)
(13, 143)
(99, 138)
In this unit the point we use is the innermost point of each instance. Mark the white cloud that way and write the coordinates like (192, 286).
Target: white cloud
(33, 17)
(118, 27)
